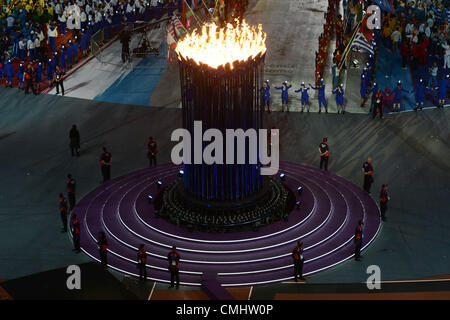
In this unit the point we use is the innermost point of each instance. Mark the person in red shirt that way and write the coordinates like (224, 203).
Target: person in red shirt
(63, 208)
(378, 104)
(324, 152)
(71, 185)
(75, 223)
(367, 170)
(105, 164)
(299, 259)
(103, 249)
(141, 261)
(384, 198)
(152, 150)
(358, 240)
(174, 266)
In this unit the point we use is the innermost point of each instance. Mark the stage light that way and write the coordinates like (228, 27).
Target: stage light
(297, 204)
(150, 199)
(299, 190)
(180, 173)
(159, 183)
(282, 177)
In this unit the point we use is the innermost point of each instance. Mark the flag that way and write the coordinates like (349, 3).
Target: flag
(183, 14)
(171, 43)
(177, 26)
(361, 42)
(368, 34)
(189, 13)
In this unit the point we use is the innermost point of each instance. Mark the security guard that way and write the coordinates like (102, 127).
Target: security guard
(105, 164)
(358, 240)
(141, 261)
(367, 170)
(152, 150)
(174, 266)
(324, 152)
(71, 184)
(75, 223)
(63, 211)
(103, 249)
(299, 259)
(384, 198)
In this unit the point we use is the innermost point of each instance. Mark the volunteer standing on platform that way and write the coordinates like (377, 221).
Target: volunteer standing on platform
(174, 266)
(105, 164)
(324, 152)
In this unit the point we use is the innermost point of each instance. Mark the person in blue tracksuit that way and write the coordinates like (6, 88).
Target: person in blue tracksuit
(420, 94)
(284, 95)
(38, 76)
(89, 32)
(50, 71)
(304, 96)
(148, 13)
(75, 50)
(397, 92)
(442, 90)
(266, 95)
(69, 54)
(374, 92)
(363, 89)
(52, 38)
(9, 70)
(54, 60)
(83, 43)
(62, 58)
(321, 97)
(19, 74)
(339, 92)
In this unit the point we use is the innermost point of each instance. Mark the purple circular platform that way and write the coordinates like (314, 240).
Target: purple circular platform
(330, 210)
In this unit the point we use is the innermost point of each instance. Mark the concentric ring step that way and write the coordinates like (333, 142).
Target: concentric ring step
(331, 207)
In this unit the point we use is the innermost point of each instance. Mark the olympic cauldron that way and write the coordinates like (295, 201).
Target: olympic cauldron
(221, 75)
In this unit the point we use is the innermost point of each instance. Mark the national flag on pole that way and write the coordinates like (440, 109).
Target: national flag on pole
(189, 13)
(183, 14)
(361, 42)
(368, 34)
(171, 43)
(177, 26)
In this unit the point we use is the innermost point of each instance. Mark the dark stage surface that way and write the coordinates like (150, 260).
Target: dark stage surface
(410, 152)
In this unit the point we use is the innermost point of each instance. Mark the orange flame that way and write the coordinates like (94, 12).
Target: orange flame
(219, 46)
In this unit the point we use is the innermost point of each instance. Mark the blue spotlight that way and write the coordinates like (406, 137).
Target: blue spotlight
(299, 190)
(150, 199)
(297, 204)
(282, 177)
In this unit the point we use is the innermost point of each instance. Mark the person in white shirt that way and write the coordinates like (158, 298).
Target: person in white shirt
(396, 39)
(22, 46)
(30, 48)
(447, 55)
(52, 33)
(83, 18)
(62, 23)
(37, 47)
(409, 29)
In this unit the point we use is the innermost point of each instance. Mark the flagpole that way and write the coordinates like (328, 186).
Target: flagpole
(349, 46)
(193, 13)
(204, 4)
